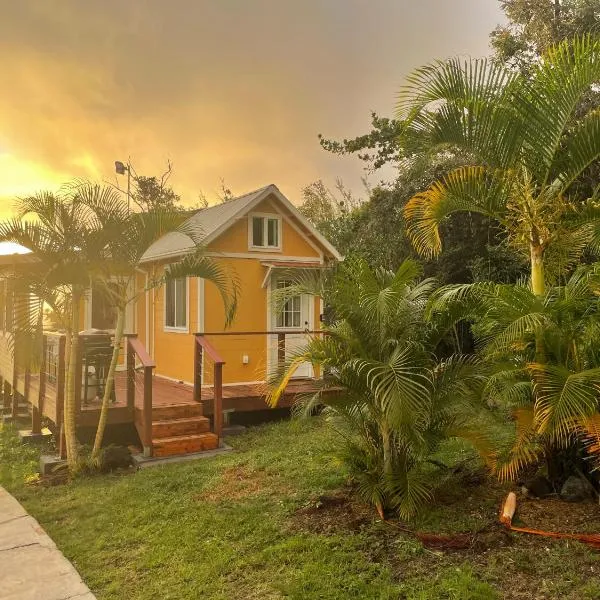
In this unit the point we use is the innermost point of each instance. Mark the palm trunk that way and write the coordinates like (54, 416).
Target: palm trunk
(110, 381)
(387, 449)
(71, 383)
(538, 284)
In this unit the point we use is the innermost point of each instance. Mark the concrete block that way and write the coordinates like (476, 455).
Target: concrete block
(233, 430)
(143, 462)
(50, 463)
(27, 437)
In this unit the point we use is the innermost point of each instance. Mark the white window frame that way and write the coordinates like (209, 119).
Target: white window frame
(170, 328)
(266, 217)
(281, 312)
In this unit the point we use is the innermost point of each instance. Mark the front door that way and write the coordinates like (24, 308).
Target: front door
(294, 318)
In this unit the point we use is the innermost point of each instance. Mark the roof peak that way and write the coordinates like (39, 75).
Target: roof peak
(236, 198)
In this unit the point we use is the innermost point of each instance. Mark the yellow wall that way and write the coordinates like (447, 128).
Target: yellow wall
(174, 351)
(235, 239)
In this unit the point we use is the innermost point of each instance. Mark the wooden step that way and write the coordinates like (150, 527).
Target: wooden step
(175, 427)
(184, 444)
(176, 411)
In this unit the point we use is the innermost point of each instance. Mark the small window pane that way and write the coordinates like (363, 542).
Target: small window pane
(258, 231)
(170, 303)
(180, 302)
(291, 313)
(273, 232)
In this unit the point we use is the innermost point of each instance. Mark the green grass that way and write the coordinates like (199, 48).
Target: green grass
(246, 525)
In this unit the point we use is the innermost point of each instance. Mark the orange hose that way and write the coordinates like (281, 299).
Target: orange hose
(507, 513)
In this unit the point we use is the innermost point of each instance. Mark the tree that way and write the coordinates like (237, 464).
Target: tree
(554, 398)
(525, 153)
(128, 236)
(66, 247)
(377, 148)
(536, 25)
(395, 401)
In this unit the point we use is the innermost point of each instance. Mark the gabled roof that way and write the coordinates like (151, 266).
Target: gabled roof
(209, 223)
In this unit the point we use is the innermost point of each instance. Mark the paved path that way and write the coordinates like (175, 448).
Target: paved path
(31, 566)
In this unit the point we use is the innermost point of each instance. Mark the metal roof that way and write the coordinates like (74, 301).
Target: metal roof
(209, 223)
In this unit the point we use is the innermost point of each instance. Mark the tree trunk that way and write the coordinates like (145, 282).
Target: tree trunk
(72, 380)
(538, 284)
(387, 449)
(110, 381)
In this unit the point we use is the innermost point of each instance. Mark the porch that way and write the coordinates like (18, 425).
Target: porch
(170, 417)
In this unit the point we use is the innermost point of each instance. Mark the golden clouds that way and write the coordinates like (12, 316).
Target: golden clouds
(232, 89)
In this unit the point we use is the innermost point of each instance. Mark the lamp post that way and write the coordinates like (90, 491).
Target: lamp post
(120, 168)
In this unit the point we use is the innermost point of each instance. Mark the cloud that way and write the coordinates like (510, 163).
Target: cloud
(227, 88)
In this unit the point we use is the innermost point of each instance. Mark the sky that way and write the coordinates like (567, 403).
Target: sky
(224, 89)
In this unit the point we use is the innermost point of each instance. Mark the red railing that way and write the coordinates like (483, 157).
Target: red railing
(203, 347)
(136, 351)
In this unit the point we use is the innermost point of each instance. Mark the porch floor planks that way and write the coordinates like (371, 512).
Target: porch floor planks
(171, 393)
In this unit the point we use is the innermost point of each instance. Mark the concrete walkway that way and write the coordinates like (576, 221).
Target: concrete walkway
(31, 566)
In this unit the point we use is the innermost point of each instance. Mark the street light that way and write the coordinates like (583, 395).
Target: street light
(120, 169)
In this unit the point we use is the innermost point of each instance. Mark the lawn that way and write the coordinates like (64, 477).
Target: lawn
(275, 519)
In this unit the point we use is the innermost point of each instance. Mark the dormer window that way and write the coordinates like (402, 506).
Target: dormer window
(264, 232)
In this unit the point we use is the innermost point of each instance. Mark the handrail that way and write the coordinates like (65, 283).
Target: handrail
(275, 332)
(202, 345)
(136, 348)
(140, 350)
(210, 349)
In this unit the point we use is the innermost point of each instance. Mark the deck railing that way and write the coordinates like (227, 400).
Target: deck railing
(136, 353)
(204, 349)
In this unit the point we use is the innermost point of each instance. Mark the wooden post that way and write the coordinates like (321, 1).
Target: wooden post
(147, 413)
(218, 409)
(15, 394)
(38, 411)
(280, 349)
(130, 375)
(6, 395)
(78, 374)
(60, 388)
(198, 356)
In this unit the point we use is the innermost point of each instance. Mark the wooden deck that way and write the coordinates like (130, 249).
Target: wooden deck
(165, 393)
(170, 417)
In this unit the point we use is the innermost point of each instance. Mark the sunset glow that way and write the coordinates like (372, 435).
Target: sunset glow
(233, 90)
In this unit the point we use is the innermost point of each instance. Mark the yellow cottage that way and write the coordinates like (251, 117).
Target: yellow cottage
(259, 236)
(182, 372)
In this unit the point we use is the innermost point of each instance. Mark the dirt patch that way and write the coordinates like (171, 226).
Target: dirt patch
(329, 513)
(552, 514)
(239, 482)
(520, 566)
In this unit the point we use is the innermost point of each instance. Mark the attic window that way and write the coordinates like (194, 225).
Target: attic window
(265, 232)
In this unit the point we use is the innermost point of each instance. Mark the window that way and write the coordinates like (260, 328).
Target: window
(265, 232)
(176, 303)
(291, 313)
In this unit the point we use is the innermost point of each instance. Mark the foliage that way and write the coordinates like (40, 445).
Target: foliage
(377, 148)
(375, 230)
(536, 25)
(543, 358)
(67, 249)
(397, 400)
(523, 162)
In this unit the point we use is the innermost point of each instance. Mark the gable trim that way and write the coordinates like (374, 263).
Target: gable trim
(295, 213)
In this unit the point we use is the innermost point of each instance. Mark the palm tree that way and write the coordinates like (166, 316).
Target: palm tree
(555, 400)
(128, 235)
(66, 248)
(385, 391)
(527, 146)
